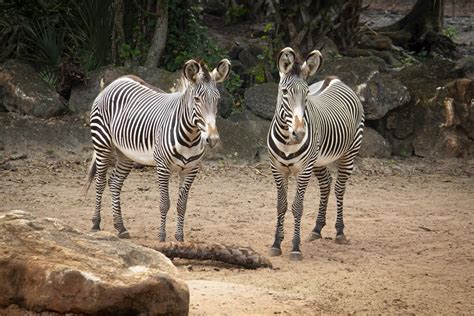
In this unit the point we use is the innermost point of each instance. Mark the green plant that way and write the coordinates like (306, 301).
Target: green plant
(235, 14)
(91, 31)
(450, 32)
(127, 52)
(188, 38)
(47, 43)
(233, 85)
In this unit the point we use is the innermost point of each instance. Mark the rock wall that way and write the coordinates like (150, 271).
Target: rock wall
(422, 109)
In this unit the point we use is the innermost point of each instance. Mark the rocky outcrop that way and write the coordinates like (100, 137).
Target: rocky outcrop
(24, 91)
(447, 125)
(84, 94)
(261, 99)
(48, 266)
(379, 91)
(438, 121)
(374, 145)
(243, 138)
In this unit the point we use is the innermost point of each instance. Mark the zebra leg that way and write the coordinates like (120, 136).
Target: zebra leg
(185, 185)
(344, 171)
(164, 175)
(103, 159)
(119, 174)
(281, 181)
(324, 180)
(297, 209)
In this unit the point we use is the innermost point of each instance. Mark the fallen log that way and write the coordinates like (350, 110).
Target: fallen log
(241, 256)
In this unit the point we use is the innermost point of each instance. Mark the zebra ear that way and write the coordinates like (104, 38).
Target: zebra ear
(221, 72)
(312, 64)
(190, 69)
(285, 60)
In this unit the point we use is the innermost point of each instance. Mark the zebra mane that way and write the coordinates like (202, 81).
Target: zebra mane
(180, 85)
(295, 69)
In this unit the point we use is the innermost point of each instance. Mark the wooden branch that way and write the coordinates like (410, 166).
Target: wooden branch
(240, 256)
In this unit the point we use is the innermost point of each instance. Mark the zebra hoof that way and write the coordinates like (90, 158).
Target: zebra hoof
(341, 239)
(314, 236)
(124, 235)
(274, 252)
(95, 229)
(296, 256)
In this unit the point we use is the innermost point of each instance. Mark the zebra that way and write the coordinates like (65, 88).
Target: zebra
(138, 123)
(312, 127)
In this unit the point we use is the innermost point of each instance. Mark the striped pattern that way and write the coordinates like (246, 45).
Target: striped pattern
(333, 126)
(132, 121)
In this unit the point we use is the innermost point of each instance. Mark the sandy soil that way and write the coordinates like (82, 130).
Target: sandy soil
(410, 225)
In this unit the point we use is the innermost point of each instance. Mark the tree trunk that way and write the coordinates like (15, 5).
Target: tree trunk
(426, 15)
(118, 35)
(241, 256)
(420, 30)
(158, 43)
(303, 24)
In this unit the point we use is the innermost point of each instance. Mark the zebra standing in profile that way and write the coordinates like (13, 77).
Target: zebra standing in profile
(136, 122)
(312, 127)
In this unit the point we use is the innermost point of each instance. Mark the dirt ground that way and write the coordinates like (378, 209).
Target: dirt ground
(409, 224)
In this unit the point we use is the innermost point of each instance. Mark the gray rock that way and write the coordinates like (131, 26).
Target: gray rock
(464, 67)
(247, 58)
(243, 138)
(261, 99)
(446, 123)
(330, 50)
(20, 134)
(353, 71)
(160, 78)
(48, 266)
(235, 51)
(25, 92)
(84, 94)
(226, 103)
(379, 92)
(374, 145)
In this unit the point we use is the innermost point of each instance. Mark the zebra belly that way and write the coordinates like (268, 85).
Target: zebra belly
(325, 160)
(142, 157)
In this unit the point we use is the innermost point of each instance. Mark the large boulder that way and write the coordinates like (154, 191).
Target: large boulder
(261, 99)
(157, 77)
(24, 134)
(48, 266)
(25, 92)
(464, 67)
(243, 138)
(84, 94)
(374, 145)
(380, 94)
(378, 90)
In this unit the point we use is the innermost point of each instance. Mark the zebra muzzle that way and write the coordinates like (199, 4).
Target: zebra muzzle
(212, 140)
(212, 137)
(298, 132)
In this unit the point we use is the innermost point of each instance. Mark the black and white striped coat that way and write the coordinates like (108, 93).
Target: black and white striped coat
(312, 127)
(135, 122)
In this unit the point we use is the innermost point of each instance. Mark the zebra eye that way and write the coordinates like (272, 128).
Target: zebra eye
(284, 91)
(197, 99)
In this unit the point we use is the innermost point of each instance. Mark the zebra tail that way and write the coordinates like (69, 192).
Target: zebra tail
(90, 174)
